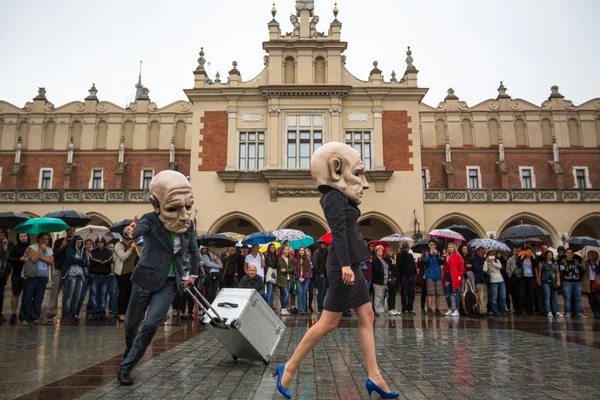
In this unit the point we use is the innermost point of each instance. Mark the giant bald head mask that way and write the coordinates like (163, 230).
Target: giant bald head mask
(172, 198)
(339, 165)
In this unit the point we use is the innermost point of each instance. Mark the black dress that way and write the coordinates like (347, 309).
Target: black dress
(347, 249)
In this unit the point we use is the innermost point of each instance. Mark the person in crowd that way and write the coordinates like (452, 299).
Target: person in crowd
(213, 267)
(481, 280)
(319, 261)
(60, 254)
(229, 261)
(393, 281)
(99, 277)
(590, 283)
(17, 259)
(5, 266)
(571, 274)
(514, 274)
(303, 274)
(311, 283)
(252, 281)
(503, 257)
(89, 246)
(367, 270)
(271, 272)
(113, 288)
(256, 258)
(538, 301)
(292, 288)
(241, 262)
(422, 284)
(125, 257)
(407, 271)
(34, 288)
(371, 246)
(452, 277)
(73, 273)
(493, 266)
(528, 284)
(465, 252)
(285, 267)
(380, 279)
(548, 277)
(561, 250)
(433, 261)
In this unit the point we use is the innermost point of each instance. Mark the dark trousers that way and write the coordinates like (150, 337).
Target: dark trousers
(154, 306)
(508, 284)
(513, 287)
(392, 292)
(424, 295)
(211, 287)
(125, 287)
(539, 301)
(594, 299)
(407, 292)
(228, 281)
(320, 284)
(84, 290)
(3, 280)
(527, 288)
(34, 290)
(113, 295)
(311, 293)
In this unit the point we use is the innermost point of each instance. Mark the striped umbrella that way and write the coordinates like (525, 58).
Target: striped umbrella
(447, 234)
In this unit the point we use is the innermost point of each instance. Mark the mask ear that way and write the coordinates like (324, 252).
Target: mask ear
(152, 199)
(335, 169)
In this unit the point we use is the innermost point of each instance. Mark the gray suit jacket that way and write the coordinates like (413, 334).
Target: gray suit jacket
(152, 270)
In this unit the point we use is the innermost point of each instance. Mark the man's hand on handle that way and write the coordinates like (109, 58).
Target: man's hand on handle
(128, 231)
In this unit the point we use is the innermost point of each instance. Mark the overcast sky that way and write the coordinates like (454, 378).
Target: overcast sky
(469, 45)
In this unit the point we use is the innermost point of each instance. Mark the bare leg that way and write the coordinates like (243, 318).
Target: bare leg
(430, 301)
(14, 302)
(327, 323)
(437, 301)
(365, 317)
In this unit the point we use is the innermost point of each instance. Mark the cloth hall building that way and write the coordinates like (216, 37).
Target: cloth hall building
(246, 147)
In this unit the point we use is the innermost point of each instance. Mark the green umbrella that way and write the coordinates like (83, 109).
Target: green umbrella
(36, 226)
(307, 241)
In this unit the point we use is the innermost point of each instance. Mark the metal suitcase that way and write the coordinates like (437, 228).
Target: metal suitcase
(243, 322)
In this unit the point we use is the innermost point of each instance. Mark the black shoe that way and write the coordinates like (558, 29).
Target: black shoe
(13, 319)
(311, 309)
(125, 378)
(103, 318)
(91, 318)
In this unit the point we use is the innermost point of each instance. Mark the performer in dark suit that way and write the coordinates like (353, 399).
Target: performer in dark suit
(168, 233)
(340, 176)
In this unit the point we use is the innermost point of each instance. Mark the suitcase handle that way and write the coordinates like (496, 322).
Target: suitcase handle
(227, 304)
(200, 299)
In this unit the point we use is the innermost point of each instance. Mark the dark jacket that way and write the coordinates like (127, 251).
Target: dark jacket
(256, 283)
(72, 257)
(101, 261)
(229, 264)
(477, 269)
(5, 264)
(16, 252)
(406, 264)
(152, 271)
(282, 277)
(378, 271)
(60, 255)
(347, 246)
(393, 270)
(319, 260)
(240, 259)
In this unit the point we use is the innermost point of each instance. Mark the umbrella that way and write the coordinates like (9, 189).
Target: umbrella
(233, 235)
(464, 230)
(396, 237)
(219, 240)
(118, 227)
(259, 238)
(420, 246)
(516, 242)
(447, 234)
(584, 252)
(326, 238)
(10, 219)
(584, 241)
(524, 232)
(264, 247)
(489, 244)
(93, 232)
(307, 241)
(377, 243)
(35, 226)
(70, 217)
(289, 234)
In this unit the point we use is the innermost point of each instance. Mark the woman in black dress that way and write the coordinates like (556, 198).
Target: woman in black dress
(339, 173)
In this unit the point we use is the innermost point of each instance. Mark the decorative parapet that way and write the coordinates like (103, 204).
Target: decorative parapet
(511, 196)
(74, 196)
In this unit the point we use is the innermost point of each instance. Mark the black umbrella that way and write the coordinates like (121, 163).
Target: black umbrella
(524, 232)
(464, 230)
(218, 239)
(118, 227)
(70, 217)
(420, 247)
(10, 219)
(584, 241)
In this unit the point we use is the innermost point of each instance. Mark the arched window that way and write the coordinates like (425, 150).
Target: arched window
(597, 124)
(440, 132)
(467, 132)
(180, 129)
(494, 131)
(23, 134)
(49, 135)
(101, 134)
(546, 132)
(520, 132)
(128, 134)
(153, 133)
(574, 137)
(319, 70)
(76, 130)
(290, 70)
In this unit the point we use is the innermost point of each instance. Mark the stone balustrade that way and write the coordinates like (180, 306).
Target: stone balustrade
(511, 196)
(74, 196)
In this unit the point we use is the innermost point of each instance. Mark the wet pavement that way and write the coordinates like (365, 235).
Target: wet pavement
(423, 358)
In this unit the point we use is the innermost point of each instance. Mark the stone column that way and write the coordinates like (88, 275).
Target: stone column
(274, 138)
(231, 139)
(378, 138)
(336, 133)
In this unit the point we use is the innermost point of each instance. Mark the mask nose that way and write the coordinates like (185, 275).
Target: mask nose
(364, 182)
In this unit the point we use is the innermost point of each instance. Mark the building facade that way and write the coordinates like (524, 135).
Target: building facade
(246, 146)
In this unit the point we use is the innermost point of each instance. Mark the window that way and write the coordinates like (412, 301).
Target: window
(527, 177)
(252, 150)
(361, 141)
(425, 178)
(147, 175)
(46, 178)
(582, 178)
(473, 178)
(96, 182)
(304, 136)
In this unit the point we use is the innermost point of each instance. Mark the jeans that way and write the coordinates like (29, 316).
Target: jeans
(498, 291)
(407, 292)
(449, 292)
(270, 293)
(548, 292)
(34, 290)
(71, 293)
(311, 292)
(84, 291)
(98, 293)
(320, 285)
(302, 291)
(57, 285)
(283, 295)
(113, 295)
(572, 297)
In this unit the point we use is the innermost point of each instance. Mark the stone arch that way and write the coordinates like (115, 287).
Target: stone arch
(153, 134)
(588, 225)
(23, 133)
(493, 131)
(521, 132)
(99, 219)
(289, 70)
(467, 132)
(375, 225)
(574, 134)
(127, 133)
(546, 125)
(440, 132)
(238, 222)
(302, 221)
(180, 129)
(320, 70)
(529, 218)
(461, 219)
(49, 135)
(101, 134)
(76, 134)
(597, 127)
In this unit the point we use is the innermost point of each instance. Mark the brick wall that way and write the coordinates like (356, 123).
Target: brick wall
(396, 154)
(214, 141)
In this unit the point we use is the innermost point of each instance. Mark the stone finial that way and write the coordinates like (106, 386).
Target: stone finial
(93, 91)
(218, 77)
(273, 11)
(554, 94)
(234, 70)
(409, 60)
(394, 77)
(335, 11)
(375, 69)
(144, 95)
(41, 94)
(502, 92)
(201, 61)
(451, 95)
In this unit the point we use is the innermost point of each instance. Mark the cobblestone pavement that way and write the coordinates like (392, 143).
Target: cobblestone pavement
(423, 358)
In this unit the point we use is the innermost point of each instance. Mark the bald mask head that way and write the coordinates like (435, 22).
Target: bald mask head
(172, 198)
(339, 165)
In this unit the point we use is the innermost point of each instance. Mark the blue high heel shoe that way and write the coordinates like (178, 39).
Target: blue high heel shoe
(372, 387)
(279, 374)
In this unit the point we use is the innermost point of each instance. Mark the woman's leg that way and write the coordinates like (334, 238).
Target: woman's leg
(26, 303)
(502, 298)
(327, 323)
(494, 292)
(38, 297)
(457, 299)
(301, 295)
(555, 300)
(448, 293)
(78, 285)
(283, 293)
(546, 287)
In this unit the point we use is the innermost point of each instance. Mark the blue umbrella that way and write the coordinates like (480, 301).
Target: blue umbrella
(307, 241)
(489, 244)
(259, 238)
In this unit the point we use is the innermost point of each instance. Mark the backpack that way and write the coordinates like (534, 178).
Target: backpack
(469, 301)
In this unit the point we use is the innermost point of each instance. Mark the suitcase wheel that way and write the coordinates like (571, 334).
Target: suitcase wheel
(234, 357)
